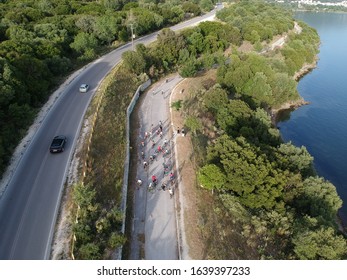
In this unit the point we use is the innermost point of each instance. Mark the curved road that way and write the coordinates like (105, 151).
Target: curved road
(29, 206)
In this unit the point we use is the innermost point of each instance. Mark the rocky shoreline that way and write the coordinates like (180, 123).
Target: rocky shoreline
(291, 105)
(306, 68)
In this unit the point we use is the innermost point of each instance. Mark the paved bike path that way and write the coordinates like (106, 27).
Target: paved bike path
(154, 230)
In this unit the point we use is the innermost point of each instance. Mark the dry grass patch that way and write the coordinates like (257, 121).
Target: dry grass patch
(192, 199)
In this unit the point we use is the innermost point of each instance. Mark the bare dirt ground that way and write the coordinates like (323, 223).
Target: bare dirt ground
(189, 200)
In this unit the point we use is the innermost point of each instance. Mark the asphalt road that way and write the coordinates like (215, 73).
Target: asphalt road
(29, 206)
(154, 229)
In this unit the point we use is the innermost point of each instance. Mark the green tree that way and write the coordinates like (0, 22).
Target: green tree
(86, 23)
(36, 76)
(234, 116)
(193, 123)
(294, 159)
(249, 174)
(113, 4)
(106, 28)
(259, 90)
(84, 44)
(167, 47)
(115, 240)
(89, 251)
(177, 14)
(215, 99)
(189, 7)
(206, 5)
(320, 200)
(196, 43)
(145, 20)
(134, 61)
(84, 197)
(211, 177)
(269, 234)
(321, 244)
(258, 46)
(189, 68)
(183, 56)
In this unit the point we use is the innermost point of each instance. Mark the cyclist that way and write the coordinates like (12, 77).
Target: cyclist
(165, 142)
(154, 179)
(151, 186)
(170, 192)
(139, 183)
(145, 164)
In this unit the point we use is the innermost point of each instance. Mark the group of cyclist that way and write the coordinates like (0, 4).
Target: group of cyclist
(149, 137)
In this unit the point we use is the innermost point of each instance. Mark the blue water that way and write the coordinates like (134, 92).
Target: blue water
(321, 126)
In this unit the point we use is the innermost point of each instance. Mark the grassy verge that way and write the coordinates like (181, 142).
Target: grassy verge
(99, 219)
(134, 132)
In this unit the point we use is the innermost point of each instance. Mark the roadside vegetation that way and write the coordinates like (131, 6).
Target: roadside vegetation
(41, 42)
(97, 200)
(266, 201)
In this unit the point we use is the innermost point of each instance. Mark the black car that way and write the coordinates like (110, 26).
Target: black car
(58, 144)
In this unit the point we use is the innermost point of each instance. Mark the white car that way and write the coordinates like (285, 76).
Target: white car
(84, 88)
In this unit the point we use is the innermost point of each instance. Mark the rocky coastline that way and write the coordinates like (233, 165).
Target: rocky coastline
(291, 105)
(306, 68)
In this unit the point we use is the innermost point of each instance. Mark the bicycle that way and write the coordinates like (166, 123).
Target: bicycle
(170, 192)
(166, 152)
(145, 165)
(172, 178)
(139, 183)
(151, 187)
(151, 158)
(166, 171)
(165, 143)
